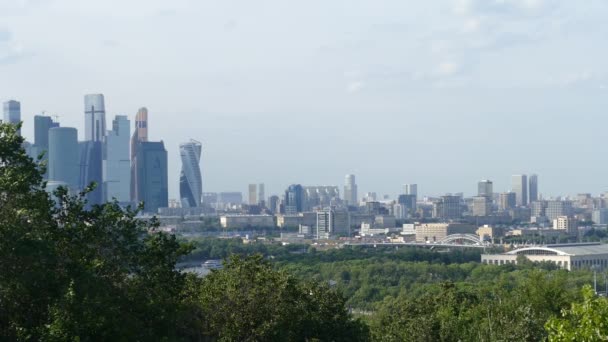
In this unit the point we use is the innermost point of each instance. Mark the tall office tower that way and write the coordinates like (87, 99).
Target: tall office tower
(409, 203)
(94, 117)
(151, 169)
(484, 188)
(91, 169)
(519, 185)
(506, 201)
(294, 199)
(190, 179)
(12, 113)
(331, 222)
(140, 134)
(252, 194)
(273, 204)
(63, 157)
(117, 161)
(350, 190)
(482, 206)
(410, 189)
(533, 188)
(448, 207)
(42, 125)
(261, 195)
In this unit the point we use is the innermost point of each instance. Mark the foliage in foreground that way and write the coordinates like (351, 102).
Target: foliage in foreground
(73, 273)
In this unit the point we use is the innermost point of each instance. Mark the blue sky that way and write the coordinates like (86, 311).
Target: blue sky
(439, 93)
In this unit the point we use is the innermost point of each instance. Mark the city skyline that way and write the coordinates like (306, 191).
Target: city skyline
(494, 80)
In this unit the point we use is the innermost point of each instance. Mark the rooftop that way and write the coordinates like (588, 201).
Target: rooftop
(563, 249)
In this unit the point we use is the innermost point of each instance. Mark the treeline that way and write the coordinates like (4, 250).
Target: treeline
(70, 273)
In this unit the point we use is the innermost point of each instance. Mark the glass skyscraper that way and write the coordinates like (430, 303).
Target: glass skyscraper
(12, 113)
(94, 117)
(117, 161)
(190, 180)
(150, 164)
(64, 157)
(91, 170)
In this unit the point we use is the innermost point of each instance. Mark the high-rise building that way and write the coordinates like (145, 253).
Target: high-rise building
(409, 204)
(484, 188)
(64, 162)
(190, 180)
(533, 188)
(320, 196)
(252, 198)
(482, 206)
(350, 190)
(151, 169)
(332, 221)
(117, 161)
(449, 207)
(410, 189)
(261, 195)
(90, 156)
(94, 117)
(139, 135)
(273, 204)
(519, 185)
(556, 209)
(294, 199)
(42, 125)
(506, 201)
(566, 223)
(12, 113)
(600, 216)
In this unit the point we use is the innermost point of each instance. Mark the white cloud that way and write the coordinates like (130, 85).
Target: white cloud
(355, 86)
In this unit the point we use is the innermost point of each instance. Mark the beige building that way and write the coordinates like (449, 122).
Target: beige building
(246, 221)
(487, 232)
(434, 232)
(567, 256)
(565, 224)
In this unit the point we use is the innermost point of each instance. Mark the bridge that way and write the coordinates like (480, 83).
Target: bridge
(450, 241)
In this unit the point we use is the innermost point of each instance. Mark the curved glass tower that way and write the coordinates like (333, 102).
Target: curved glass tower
(94, 117)
(190, 180)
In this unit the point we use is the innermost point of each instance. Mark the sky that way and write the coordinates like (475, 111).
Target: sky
(439, 93)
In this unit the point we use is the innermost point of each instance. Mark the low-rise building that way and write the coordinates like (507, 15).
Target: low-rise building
(434, 232)
(247, 221)
(567, 256)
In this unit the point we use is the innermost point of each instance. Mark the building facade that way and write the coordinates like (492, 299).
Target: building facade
(294, 199)
(94, 117)
(90, 156)
(190, 179)
(519, 185)
(533, 188)
(64, 162)
(485, 188)
(117, 161)
(506, 201)
(151, 170)
(350, 190)
(12, 113)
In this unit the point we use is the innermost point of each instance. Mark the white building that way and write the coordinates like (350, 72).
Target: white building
(246, 221)
(567, 256)
(565, 223)
(331, 221)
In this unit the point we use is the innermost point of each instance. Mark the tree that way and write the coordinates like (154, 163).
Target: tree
(72, 273)
(249, 301)
(586, 321)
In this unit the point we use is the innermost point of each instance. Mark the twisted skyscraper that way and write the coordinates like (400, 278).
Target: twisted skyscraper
(190, 180)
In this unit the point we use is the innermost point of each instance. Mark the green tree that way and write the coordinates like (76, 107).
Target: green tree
(249, 301)
(586, 321)
(72, 273)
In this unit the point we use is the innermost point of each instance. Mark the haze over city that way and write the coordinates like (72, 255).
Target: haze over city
(441, 94)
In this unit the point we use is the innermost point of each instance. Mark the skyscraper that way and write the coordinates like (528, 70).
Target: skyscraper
(12, 113)
(94, 117)
(139, 135)
(63, 157)
(350, 190)
(519, 185)
(484, 188)
(151, 168)
(190, 180)
(533, 188)
(252, 198)
(261, 195)
(294, 199)
(42, 125)
(90, 156)
(117, 161)
(410, 189)
(506, 201)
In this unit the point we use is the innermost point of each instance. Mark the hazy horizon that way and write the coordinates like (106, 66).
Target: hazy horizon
(441, 94)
